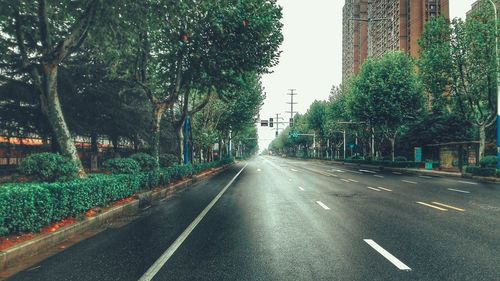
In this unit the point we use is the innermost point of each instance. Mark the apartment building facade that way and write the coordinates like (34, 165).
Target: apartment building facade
(372, 28)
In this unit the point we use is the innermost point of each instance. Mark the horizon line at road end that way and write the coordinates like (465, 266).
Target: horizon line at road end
(160, 262)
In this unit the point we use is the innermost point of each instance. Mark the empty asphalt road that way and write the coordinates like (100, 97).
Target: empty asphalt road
(285, 219)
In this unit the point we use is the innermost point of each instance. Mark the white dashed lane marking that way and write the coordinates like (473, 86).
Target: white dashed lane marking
(395, 261)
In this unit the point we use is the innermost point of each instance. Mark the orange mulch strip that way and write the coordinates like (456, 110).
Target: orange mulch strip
(11, 240)
(55, 226)
(91, 213)
(123, 201)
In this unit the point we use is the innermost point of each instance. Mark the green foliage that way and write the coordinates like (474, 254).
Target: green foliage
(489, 161)
(167, 160)
(146, 161)
(481, 172)
(48, 167)
(121, 166)
(29, 207)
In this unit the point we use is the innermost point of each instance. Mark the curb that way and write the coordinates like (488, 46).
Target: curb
(10, 256)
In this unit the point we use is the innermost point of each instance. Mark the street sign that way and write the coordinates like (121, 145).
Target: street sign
(418, 154)
(263, 123)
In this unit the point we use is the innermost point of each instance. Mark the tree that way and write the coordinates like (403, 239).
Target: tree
(387, 94)
(474, 70)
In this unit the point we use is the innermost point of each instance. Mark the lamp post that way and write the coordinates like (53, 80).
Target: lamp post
(498, 81)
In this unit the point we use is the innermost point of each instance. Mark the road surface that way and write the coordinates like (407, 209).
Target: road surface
(285, 219)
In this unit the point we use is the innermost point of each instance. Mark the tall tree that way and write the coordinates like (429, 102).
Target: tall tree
(387, 94)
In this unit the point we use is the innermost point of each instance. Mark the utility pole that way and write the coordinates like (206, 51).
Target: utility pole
(291, 103)
(278, 124)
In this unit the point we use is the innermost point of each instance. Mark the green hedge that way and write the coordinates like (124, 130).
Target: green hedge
(48, 167)
(121, 166)
(29, 207)
(482, 172)
(146, 161)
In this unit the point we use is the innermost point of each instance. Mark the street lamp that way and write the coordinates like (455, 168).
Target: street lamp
(498, 81)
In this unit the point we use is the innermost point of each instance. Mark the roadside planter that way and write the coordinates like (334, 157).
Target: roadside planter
(428, 165)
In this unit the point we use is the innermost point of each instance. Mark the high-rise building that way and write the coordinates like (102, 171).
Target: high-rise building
(372, 28)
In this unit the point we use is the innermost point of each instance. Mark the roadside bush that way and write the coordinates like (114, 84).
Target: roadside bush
(25, 208)
(146, 161)
(400, 159)
(489, 161)
(121, 166)
(31, 206)
(48, 167)
(481, 172)
(168, 160)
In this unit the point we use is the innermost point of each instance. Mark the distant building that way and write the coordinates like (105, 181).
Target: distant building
(372, 28)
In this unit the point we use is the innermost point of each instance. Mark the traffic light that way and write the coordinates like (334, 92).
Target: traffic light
(276, 133)
(263, 123)
(271, 124)
(291, 122)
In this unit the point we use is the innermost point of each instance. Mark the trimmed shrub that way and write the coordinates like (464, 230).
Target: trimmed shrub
(121, 166)
(146, 161)
(400, 159)
(489, 161)
(482, 172)
(29, 207)
(168, 160)
(48, 167)
(25, 208)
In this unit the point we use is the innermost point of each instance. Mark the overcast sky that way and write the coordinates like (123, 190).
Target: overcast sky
(311, 61)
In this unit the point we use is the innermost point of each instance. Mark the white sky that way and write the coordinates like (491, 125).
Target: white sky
(311, 61)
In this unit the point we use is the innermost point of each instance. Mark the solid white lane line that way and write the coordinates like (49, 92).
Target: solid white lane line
(425, 177)
(449, 207)
(397, 173)
(160, 262)
(293, 170)
(373, 188)
(432, 206)
(468, 182)
(379, 176)
(353, 180)
(399, 264)
(412, 182)
(322, 205)
(300, 187)
(383, 188)
(344, 180)
(368, 171)
(458, 190)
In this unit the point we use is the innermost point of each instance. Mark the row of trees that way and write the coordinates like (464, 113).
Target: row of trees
(396, 103)
(135, 70)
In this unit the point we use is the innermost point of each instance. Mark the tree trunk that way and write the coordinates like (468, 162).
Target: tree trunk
(393, 141)
(482, 140)
(180, 142)
(158, 111)
(94, 152)
(51, 107)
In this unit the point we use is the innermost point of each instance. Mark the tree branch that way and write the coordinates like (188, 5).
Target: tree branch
(44, 26)
(77, 33)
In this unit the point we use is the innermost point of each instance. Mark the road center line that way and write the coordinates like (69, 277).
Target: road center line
(468, 182)
(356, 172)
(412, 182)
(344, 180)
(383, 188)
(160, 262)
(449, 207)
(458, 190)
(399, 264)
(353, 180)
(293, 170)
(379, 176)
(300, 187)
(432, 206)
(372, 188)
(322, 205)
